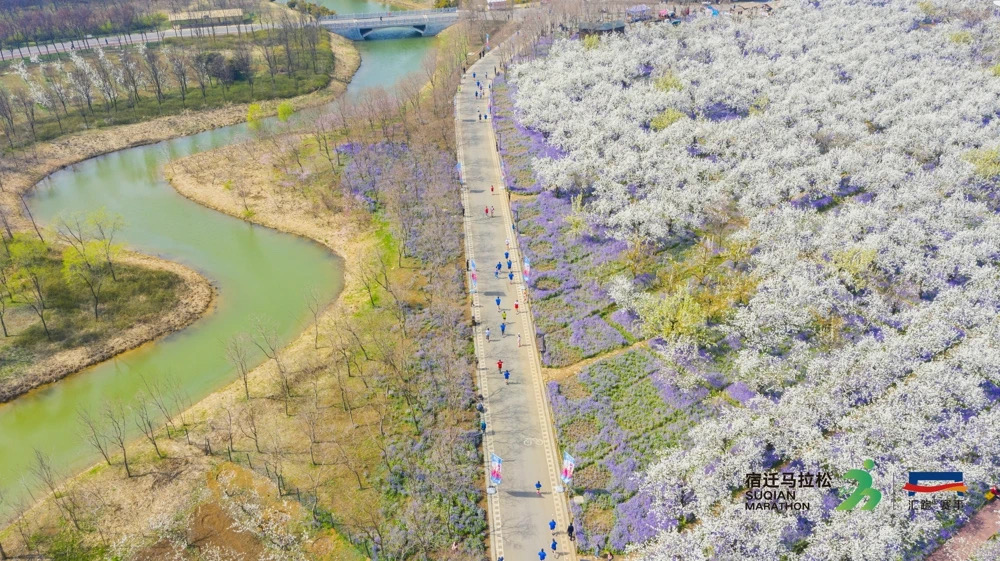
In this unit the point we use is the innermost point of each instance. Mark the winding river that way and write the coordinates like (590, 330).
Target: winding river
(259, 273)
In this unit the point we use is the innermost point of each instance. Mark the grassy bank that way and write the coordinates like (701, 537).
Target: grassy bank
(145, 298)
(137, 84)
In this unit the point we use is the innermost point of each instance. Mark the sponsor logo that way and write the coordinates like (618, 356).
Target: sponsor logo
(954, 479)
(863, 490)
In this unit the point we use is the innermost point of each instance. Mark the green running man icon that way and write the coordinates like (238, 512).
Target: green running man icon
(863, 490)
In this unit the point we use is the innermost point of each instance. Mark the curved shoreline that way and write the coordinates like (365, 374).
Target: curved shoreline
(195, 300)
(198, 294)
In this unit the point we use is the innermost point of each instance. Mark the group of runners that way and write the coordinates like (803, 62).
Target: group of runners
(508, 261)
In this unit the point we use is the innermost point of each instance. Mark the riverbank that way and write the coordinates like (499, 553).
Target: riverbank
(197, 294)
(324, 416)
(195, 298)
(43, 159)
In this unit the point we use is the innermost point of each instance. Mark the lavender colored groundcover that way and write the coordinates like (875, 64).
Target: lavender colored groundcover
(613, 417)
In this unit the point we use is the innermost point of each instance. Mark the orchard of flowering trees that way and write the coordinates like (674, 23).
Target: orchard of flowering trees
(842, 158)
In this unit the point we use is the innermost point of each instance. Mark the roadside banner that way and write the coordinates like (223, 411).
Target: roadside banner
(527, 270)
(496, 468)
(569, 464)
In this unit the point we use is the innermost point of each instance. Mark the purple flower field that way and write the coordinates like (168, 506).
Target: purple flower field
(613, 418)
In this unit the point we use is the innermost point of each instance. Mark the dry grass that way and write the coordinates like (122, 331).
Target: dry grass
(194, 298)
(346, 443)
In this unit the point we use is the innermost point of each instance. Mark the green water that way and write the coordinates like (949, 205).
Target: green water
(259, 273)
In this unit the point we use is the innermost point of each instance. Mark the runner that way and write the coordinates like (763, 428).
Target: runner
(569, 532)
(510, 264)
(503, 316)
(554, 544)
(487, 334)
(499, 366)
(503, 329)
(498, 303)
(491, 190)
(506, 376)
(482, 426)
(487, 212)
(506, 254)
(538, 488)
(519, 340)
(516, 304)
(493, 211)
(541, 554)
(510, 277)
(552, 526)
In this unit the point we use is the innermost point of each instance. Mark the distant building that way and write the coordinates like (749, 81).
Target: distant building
(590, 28)
(638, 13)
(499, 4)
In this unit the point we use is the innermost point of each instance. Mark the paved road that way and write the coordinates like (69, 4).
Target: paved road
(518, 419)
(977, 531)
(118, 40)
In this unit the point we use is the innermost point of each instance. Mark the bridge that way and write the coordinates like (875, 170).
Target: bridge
(357, 27)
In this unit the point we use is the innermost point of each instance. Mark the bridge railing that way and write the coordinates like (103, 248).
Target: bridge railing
(394, 15)
(391, 22)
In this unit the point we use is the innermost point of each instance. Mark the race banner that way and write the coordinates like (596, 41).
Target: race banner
(496, 469)
(527, 270)
(569, 464)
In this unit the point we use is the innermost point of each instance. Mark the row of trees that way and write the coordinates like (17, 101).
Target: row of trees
(45, 23)
(51, 23)
(124, 84)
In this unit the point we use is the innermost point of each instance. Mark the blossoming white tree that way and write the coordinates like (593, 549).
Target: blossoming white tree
(855, 144)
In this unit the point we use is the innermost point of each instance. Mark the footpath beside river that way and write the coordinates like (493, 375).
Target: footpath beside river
(518, 418)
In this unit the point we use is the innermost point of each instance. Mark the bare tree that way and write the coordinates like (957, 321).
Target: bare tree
(266, 339)
(201, 72)
(179, 68)
(243, 63)
(94, 435)
(144, 421)
(238, 355)
(157, 72)
(229, 433)
(7, 116)
(315, 307)
(250, 425)
(65, 501)
(309, 423)
(27, 105)
(132, 71)
(270, 57)
(106, 226)
(116, 422)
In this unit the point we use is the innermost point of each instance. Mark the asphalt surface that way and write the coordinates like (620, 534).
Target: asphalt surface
(518, 418)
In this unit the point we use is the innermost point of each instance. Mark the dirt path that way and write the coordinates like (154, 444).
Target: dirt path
(560, 374)
(977, 531)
